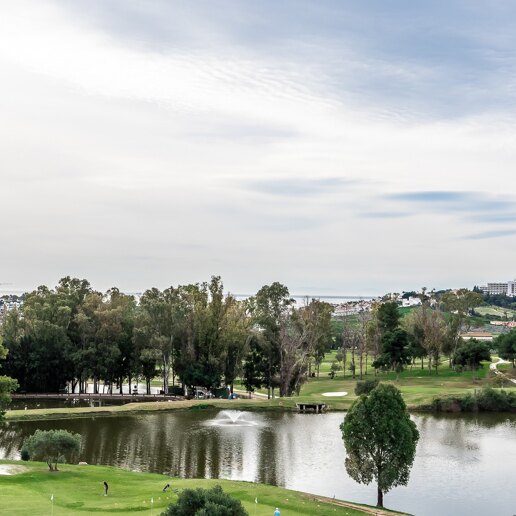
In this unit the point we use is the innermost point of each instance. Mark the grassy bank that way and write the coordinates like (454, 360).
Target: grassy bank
(145, 407)
(79, 490)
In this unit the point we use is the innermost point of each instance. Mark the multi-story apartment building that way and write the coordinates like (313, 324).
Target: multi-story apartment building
(508, 288)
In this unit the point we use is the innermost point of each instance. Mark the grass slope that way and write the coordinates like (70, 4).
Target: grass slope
(79, 490)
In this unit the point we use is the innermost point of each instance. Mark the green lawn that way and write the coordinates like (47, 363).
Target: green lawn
(79, 490)
(496, 311)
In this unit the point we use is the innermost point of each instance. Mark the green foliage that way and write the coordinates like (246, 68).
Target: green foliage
(205, 502)
(52, 446)
(366, 386)
(380, 439)
(484, 400)
(471, 353)
(491, 400)
(388, 316)
(461, 301)
(395, 351)
(506, 346)
(7, 385)
(500, 300)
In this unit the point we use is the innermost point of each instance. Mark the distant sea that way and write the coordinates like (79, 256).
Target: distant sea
(299, 298)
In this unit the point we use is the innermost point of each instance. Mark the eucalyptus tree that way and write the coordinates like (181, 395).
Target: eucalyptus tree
(268, 309)
(46, 316)
(414, 326)
(203, 352)
(303, 331)
(236, 335)
(459, 303)
(122, 309)
(316, 317)
(158, 325)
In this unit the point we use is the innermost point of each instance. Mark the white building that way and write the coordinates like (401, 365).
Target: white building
(508, 288)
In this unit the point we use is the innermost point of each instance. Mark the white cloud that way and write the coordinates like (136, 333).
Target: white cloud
(128, 165)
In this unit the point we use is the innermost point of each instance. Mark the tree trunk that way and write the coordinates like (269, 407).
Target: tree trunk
(379, 502)
(166, 365)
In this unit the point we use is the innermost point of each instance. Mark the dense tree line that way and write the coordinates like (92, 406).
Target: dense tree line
(192, 335)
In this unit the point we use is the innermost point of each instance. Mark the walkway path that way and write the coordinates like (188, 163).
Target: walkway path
(493, 367)
(368, 510)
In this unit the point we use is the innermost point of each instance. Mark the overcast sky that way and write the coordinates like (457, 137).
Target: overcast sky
(350, 147)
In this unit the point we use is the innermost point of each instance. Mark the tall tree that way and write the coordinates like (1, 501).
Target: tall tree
(459, 303)
(388, 317)
(268, 309)
(380, 440)
(395, 351)
(159, 325)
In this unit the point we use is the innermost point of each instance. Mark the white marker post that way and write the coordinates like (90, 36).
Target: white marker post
(52, 504)
(151, 505)
(255, 505)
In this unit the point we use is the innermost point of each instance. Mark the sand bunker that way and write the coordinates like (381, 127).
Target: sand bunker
(11, 469)
(334, 393)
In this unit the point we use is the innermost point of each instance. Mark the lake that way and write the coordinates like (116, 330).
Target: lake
(464, 464)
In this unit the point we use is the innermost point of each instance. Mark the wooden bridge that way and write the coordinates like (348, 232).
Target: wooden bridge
(311, 407)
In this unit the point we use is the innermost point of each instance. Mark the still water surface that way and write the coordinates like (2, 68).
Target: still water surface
(464, 465)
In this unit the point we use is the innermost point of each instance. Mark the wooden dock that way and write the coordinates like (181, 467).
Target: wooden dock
(311, 407)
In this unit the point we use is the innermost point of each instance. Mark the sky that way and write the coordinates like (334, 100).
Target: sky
(341, 148)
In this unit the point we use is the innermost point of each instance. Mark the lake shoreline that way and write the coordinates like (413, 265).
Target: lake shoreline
(258, 405)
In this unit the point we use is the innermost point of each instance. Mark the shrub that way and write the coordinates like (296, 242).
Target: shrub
(491, 400)
(205, 502)
(52, 446)
(469, 403)
(366, 386)
(25, 455)
(485, 400)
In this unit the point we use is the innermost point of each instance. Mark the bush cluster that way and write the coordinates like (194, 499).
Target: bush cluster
(205, 502)
(365, 386)
(485, 400)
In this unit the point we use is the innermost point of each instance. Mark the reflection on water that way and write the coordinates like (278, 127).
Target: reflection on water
(464, 465)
